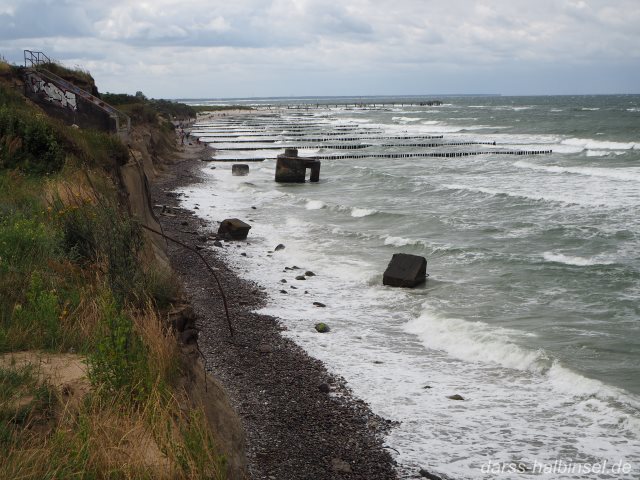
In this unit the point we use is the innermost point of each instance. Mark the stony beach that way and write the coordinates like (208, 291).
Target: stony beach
(300, 421)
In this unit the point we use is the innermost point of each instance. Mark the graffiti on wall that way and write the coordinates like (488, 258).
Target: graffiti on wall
(52, 93)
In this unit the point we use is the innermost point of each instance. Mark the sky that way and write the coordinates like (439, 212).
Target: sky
(265, 48)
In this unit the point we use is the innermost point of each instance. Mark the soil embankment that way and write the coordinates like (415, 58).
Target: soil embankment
(150, 155)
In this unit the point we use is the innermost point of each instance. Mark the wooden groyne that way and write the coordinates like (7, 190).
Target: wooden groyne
(320, 139)
(356, 146)
(274, 132)
(401, 155)
(349, 105)
(435, 154)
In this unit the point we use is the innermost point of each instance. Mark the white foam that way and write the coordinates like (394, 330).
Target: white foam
(315, 205)
(479, 342)
(496, 192)
(362, 212)
(474, 342)
(399, 241)
(433, 126)
(623, 173)
(570, 382)
(588, 143)
(576, 261)
(603, 153)
(568, 191)
(405, 119)
(356, 212)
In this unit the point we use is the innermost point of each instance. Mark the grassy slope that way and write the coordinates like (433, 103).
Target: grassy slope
(71, 281)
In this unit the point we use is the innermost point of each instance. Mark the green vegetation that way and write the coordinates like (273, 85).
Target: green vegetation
(28, 141)
(37, 397)
(72, 282)
(78, 76)
(142, 109)
(36, 144)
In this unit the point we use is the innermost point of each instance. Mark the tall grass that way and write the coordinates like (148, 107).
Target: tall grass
(108, 435)
(72, 279)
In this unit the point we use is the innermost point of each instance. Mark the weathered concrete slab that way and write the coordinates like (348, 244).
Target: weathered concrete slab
(292, 169)
(240, 170)
(405, 270)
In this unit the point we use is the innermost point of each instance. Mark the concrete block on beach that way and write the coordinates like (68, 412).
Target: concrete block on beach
(405, 270)
(239, 169)
(292, 169)
(234, 229)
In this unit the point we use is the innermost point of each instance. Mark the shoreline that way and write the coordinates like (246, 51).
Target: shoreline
(300, 421)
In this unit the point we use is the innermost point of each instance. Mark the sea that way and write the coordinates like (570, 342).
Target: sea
(531, 309)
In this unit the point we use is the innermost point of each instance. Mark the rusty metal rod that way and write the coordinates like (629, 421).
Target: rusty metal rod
(209, 267)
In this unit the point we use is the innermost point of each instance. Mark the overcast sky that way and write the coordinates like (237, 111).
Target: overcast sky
(252, 48)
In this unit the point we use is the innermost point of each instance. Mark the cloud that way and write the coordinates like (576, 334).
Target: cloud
(43, 18)
(243, 24)
(263, 44)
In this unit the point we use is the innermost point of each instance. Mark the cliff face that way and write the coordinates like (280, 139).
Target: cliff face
(135, 183)
(152, 148)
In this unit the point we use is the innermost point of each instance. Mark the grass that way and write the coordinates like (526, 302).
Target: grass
(72, 280)
(21, 397)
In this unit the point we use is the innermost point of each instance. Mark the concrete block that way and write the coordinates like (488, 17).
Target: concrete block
(292, 169)
(405, 270)
(234, 229)
(239, 170)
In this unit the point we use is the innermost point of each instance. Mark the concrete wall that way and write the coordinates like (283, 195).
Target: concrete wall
(66, 105)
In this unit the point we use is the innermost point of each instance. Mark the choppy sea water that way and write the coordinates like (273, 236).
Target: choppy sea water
(531, 310)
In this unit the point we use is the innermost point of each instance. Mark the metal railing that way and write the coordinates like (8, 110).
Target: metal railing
(34, 59)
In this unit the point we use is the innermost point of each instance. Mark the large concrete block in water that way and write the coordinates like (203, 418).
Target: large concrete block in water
(239, 170)
(234, 229)
(292, 169)
(405, 270)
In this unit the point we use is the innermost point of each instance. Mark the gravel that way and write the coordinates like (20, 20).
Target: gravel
(300, 421)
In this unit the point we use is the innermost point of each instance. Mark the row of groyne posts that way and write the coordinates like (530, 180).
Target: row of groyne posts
(403, 270)
(349, 105)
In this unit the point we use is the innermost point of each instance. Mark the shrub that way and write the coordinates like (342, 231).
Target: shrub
(36, 323)
(9, 97)
(28, 142)
(95, 149)
(25, 246)
(119, 361)
(24, 241)
(102, 235)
